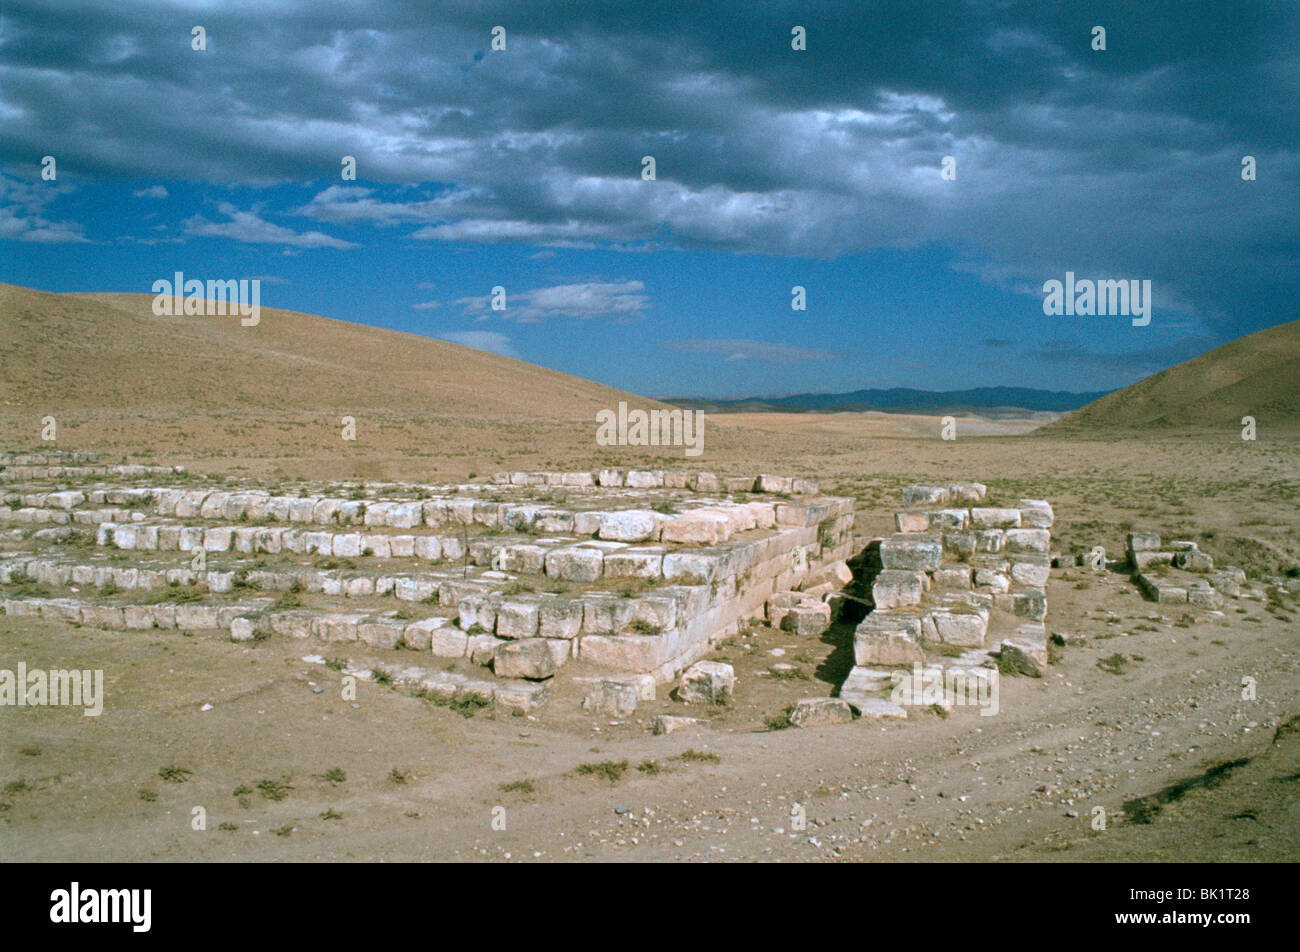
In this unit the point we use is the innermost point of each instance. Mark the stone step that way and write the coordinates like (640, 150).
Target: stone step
(253, 618)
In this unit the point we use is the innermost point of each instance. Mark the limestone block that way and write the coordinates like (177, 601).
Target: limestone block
(629, 525)
(530, 658)
(808, 617)
(820, 712)
(887, 639)
(1036, 513)
(926, 495)
(992, 518)
(896, 588)
(575, 563)
(610, 698)
(707, 682)
(911, 551)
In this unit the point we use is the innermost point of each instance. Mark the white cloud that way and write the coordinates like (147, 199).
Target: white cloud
(247, 227)
(491, 341)
(620, 300)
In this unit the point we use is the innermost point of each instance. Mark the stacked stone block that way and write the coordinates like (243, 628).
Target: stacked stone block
(959, 579)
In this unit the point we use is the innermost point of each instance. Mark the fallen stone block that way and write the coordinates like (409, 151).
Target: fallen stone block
(707, 682)
(531, 659)
(667, 723)
(820, 711)
(807, 617)
(1025, 652)
(520, 697)
(614, 698)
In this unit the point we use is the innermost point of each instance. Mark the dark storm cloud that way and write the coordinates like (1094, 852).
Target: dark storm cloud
(1123, 163)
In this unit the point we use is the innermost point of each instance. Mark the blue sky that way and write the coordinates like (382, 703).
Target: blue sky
(775, 167)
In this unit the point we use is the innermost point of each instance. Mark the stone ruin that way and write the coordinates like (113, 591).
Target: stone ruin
(634, 573)
(1180, 572)
(960, 580)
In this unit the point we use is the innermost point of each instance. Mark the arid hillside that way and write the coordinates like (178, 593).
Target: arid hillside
(1257, 375)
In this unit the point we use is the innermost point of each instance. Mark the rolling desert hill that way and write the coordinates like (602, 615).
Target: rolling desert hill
(115, 376)
(1257, 375)
(125, 356)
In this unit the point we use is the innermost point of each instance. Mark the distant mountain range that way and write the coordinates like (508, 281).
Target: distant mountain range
(987, 400)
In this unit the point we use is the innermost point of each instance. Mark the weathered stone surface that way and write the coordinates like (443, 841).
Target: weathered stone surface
(964, 629)
(1028, 573)
(807, 617)
(667, 723)
(530, 658)
(1226, 583)
(896, 588)
(645, 562)
(1143, 541)
(1144, 559)
(926, 495)
(522, 697)
(707, 682)
(836, 574)
(820, 711)
(381, 631)
(614, 698)
(948, 519)
(697, 527)
(992, 518)
(1203, 596)
(629, 525)
(1036, 513)
(775, 484)
(1193, 560)
(953, 576)
(1026, 651)
(912, 521)
(517, 618)
(575, 563)
(911, 551)
(480, 649)
(241, 629)
(1028, 540)
(876, 708)
(887, 639)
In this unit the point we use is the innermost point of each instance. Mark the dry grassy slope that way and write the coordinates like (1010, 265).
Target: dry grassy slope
(1257, 375)
(66, 352)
